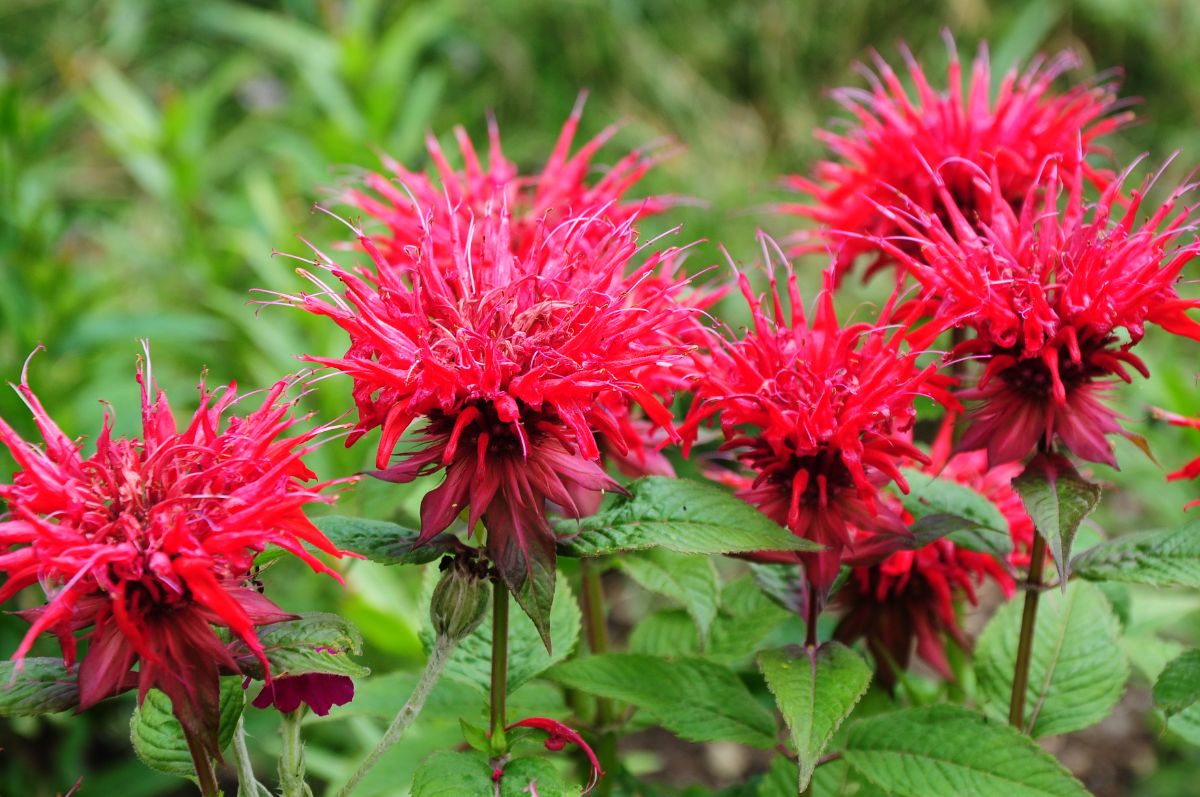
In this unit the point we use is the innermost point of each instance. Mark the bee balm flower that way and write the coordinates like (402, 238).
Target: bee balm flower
(1057, 295)
(818, 412)
(512, 359)
(148, 543)
(961, 131)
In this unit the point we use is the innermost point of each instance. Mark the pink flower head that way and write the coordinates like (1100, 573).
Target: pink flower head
(413, 205)
(560, 736)
(517, 361)
(961, 131)
(149, 542)
(818, 413)
(1057, 296)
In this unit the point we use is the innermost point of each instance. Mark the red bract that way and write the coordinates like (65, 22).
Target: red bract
(1057, 295)
(148, 543)
(818, 412)
(962, 132)
(515, 359)
(412, 205)
(317, 690)
(560, 736)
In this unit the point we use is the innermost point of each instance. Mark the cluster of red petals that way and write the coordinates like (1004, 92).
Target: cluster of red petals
(912, 594)
(519, 360)
(1057, 293)
(318, 690)
(819, 413)
(959, 130)
(560, 736)
(148, 543)
(413, 205)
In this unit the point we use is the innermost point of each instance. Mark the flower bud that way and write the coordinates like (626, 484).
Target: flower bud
(460, 601)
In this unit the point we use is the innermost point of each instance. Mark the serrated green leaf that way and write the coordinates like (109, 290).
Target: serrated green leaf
(783, 584)
(158, 737)
(316, 642)
(448, 774)
(697, 699)
(667, 633)
(1057, 498)
(36, 685)
(680, 515)
(816, 689)
(690, 580)
(471, 662)
(1160, 559)
(1178, 686)
(520, 773)
(1077, 669)
(944, 508)
(383, 542)
(948, 751)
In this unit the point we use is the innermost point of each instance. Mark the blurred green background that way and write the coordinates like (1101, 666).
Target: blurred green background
(152, 154)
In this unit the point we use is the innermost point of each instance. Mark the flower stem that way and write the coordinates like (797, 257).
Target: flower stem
(499, 663)
(442, 649)
(291, 760)
(206, 777)
(814, 611)
(248, 785)
(1016, 705)
(596, 624)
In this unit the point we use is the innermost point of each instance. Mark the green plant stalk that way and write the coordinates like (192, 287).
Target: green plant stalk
(291, 760)
(248, 785)
(1016, 704)
(443, 648)
(206, 777)
(499, 691)
(596, 624)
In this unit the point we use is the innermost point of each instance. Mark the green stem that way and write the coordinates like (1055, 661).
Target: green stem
(499, 693)
(248, 785)
(596, 624)
(438, 657)
(291, 760)
(1037, 562)
(206, 777)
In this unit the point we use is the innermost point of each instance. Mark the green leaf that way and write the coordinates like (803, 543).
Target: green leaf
(680, 515)
(316, 642)
(34, 686)
(383, 542)
(816, 690)
(1077, 670)
(944, 508)
(697, 699)
(526, 562)
(779, 780)
(471, 662)
(520, 773)
(690, 580)
(948, 751)
(158, 738)
(784, 584)
(448, 774)
(1160, 559)
(1179, 684)
(1057, 498)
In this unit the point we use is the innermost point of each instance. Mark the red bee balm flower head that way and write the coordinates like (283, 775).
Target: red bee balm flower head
(515, 360)
(456, 198)
(962, 132)
(148, 543)
(1057, 296)
(912, 594)
(818, 413)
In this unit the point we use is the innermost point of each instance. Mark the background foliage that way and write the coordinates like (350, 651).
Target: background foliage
(152, 154)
